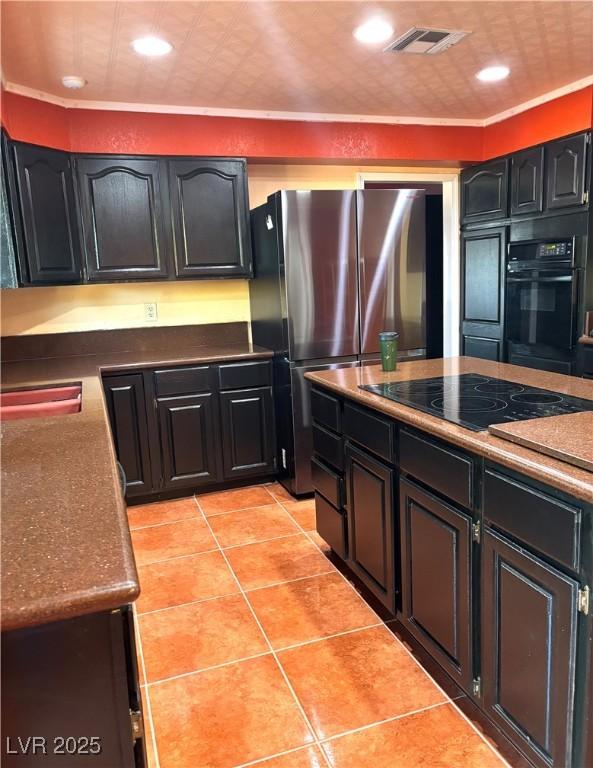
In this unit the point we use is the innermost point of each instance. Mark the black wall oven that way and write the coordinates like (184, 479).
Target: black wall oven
(542, 288)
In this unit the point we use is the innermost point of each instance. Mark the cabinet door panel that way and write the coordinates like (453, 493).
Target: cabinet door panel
(527, 175)
(483, 257)
(436, 578)
(529, 630)
(190, 449)
(566, 162)
(126, 406)
(122, 216)
(371, 514)
(210, 217)
(486, 349)
(247, 432)
(48, 214)
(483, 279)
(484, 192)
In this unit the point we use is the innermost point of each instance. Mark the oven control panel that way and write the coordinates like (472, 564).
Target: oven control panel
(561, 250)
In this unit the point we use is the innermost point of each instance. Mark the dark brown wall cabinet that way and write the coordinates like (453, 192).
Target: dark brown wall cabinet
(105, 218)
(126, 405)
(45, 213)
(527, 181)
(483, 255)
(529, 622)
(123, 222)
(484, 192)
(436, 552)
(371, 522)
(566, 166)
(209, 211)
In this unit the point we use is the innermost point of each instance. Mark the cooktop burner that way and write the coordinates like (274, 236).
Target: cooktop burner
(475, 401)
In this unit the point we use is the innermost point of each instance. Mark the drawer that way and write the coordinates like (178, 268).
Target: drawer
(550, 526)
(182, 381)
(327, 482)
(331, 526)
(371, 431)
(325, 409)
(438, 466)
(328, 446)
(245, 375)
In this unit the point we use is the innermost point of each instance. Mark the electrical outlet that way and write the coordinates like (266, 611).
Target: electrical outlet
(150, 313)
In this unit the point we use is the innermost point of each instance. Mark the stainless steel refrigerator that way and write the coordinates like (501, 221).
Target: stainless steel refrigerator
(331, 270)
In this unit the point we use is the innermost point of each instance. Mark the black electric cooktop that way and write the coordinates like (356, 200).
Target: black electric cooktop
(475, 401)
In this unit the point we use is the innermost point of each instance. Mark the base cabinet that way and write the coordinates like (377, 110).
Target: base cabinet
(436, 553)
(247, 432)
(189, 433)
(173, 428)
(488, 571)
(126, 405)
(70, 694)
(529, 623)
(371, 529)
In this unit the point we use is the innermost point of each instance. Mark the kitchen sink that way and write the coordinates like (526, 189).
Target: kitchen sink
(40, 402)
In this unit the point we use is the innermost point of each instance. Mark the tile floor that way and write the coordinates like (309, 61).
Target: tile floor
(256, 651)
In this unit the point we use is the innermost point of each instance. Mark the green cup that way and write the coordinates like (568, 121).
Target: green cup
(388, 346)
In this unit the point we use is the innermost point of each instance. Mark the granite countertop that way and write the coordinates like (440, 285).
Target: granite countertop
(573, 480)
(65, 538)
(568, 437)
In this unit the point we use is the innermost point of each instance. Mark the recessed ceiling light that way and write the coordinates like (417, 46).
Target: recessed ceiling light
(375, 30)
(492, 74)
(73, 81)
(151, 46)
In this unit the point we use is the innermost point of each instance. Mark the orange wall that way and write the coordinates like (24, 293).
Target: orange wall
(567, 114)
(82, 130)
(35, 121)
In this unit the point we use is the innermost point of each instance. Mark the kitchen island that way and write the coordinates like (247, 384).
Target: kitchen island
(480, 547)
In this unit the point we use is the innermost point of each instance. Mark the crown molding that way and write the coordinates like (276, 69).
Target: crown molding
(257, 114)
(321, 117)
(577, 85)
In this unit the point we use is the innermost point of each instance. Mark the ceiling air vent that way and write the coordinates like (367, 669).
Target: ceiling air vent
(425, 40)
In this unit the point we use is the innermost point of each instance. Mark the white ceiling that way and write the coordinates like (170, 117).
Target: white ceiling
(297, 56)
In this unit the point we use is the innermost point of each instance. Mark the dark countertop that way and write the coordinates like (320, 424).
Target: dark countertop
(573, 480)
(65, 540)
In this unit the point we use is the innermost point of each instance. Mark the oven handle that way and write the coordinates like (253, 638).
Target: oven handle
(559, 279)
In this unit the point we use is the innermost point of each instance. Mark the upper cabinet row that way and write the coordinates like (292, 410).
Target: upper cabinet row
(103, 218)
(537, 180)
